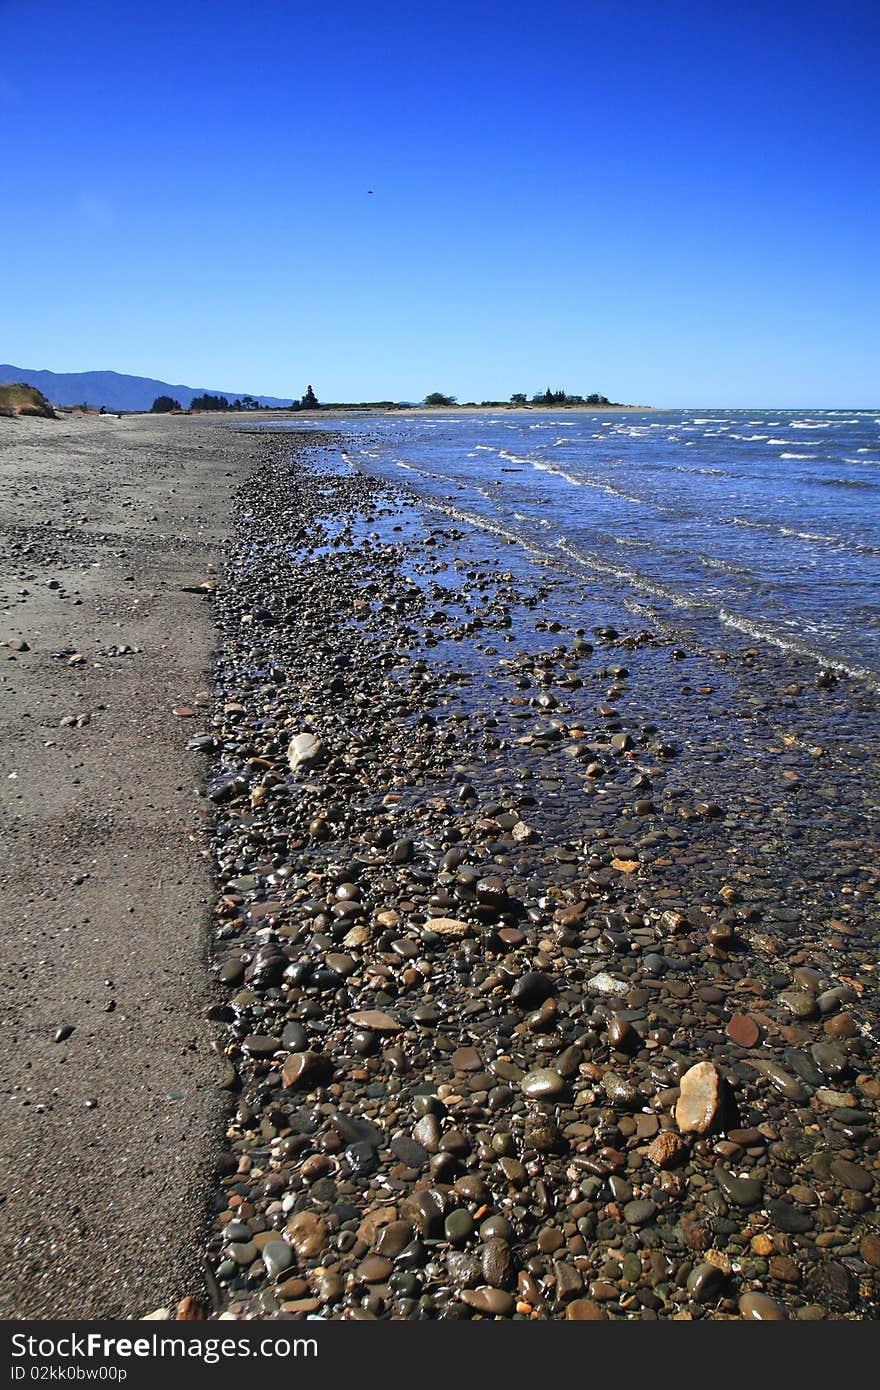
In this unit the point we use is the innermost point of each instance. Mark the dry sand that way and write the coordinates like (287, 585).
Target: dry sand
(106, 1138)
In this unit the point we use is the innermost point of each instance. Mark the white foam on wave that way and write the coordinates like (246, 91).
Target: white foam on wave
(715, 562)
(809, 535)
(761, 633)
(628, 576)
(819, 537)
(557, 472)
(483, 524)
(810, 457)
(706, 472)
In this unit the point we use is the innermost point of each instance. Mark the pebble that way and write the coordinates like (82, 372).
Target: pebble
(375, 1020)
(706, 1283)
(307, 1233)
(759, 1307)
(303, 751)
(743, 1192)
(699, 1099)
(585, 1310)
(544, 1083)
(743, 1030)
(491, 1302)
(606, 1065)
(277, 1257)
(667, 1150)
(639, 1213)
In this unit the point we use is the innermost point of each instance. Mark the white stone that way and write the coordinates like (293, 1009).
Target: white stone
(303, 751)
(604, 983)
(699, 1098)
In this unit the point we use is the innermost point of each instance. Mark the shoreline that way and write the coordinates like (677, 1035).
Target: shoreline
(578, 806)
(490, 887)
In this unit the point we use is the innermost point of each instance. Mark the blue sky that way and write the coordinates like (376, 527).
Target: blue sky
(672, 204)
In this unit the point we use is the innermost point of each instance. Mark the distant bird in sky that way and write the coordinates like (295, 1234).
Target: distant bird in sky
(369, 190)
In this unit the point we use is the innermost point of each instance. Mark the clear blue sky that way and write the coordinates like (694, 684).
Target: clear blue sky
(674, 204)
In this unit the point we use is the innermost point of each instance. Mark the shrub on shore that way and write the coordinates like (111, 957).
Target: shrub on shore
(162, 405)
(17, 398)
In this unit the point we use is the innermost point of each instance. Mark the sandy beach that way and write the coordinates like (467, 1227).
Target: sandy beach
(539, 958)
(109, 1120)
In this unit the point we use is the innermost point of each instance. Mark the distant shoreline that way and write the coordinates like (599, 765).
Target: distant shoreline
(333, 412)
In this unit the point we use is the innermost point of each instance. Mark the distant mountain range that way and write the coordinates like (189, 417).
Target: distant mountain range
(115, 390)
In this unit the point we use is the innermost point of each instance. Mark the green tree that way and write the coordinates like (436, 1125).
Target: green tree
(209, 402)
(438, 398)
(518, 398)
(162, 404)
(310, 400)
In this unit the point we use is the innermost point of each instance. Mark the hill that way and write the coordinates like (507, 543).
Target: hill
(18, 399)
(115, 390)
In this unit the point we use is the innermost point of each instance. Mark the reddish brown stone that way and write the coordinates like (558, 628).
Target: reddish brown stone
(743, 1030)
(667, 1149)
(376, 1020)
(602, 1291)
(375, 1269)
(783, 1268)
(494, 1302)
(307, 1233)
(304, 1069)
(585, 1310)
(870, 1250)
(466, 1059)
(292, 1288)
(189, 1310)
(646, 1126)
(549, 1240)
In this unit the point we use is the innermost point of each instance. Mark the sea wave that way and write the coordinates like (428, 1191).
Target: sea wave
(628, 576)
(762, 632)
(716, 562)
(845, 482)
(819, 537)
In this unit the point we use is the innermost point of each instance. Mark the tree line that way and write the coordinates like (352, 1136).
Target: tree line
(548, 397)
(309, 401)
(163, 405)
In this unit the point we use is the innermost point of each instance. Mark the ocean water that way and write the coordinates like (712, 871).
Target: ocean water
(764, 522)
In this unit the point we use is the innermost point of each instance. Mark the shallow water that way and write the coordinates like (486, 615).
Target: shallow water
(764, 522)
